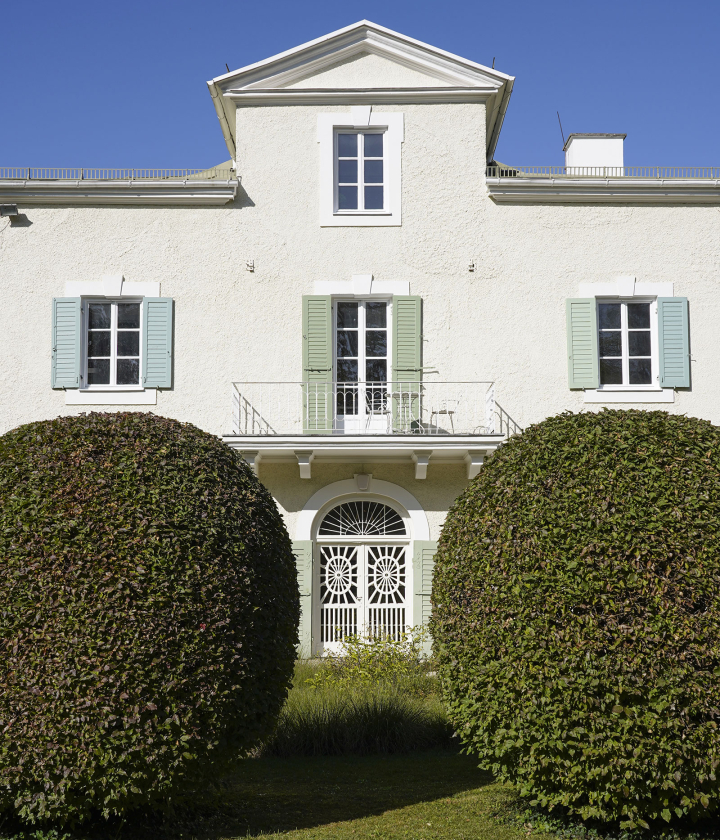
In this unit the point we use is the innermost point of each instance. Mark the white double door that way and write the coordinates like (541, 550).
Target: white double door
(364, 589)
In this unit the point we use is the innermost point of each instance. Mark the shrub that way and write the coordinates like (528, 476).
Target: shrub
(373, 660)
(577, 615)
(148, 612)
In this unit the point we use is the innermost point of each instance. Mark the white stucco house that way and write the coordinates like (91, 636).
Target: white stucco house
(362, 301)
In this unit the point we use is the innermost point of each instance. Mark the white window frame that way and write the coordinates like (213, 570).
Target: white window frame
(85, 322)
(360, 184)
(626, 289)
(361, 118)
(654, 347)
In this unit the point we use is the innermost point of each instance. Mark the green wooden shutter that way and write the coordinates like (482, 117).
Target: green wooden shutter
(303, 551)
(406, 363)
(317, 363)
(582, 343)
(674, 342)
(66, 338)
(423, 565)
(157, 353)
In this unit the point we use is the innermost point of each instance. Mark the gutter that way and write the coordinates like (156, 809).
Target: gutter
(497, 128)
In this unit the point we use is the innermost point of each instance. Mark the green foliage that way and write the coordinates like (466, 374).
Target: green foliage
(349, 714)
(374, 659)
(148, 613)
(577, 615)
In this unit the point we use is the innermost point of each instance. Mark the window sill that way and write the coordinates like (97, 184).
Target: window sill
(621, 395)
(115, 396)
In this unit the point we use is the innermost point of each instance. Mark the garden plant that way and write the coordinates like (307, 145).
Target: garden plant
(577, 616)
(148, 612)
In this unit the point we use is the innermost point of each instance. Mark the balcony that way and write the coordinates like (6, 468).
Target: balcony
(604, 184)
(417, 421)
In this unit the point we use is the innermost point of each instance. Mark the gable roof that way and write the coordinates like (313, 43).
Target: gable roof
(450, 77)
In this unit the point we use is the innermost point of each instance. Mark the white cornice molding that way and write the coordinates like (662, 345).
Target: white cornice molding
(311, 58)
(602, 191)
(359, 96)
(163, 192)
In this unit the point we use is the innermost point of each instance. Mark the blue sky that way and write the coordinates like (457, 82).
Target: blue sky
(123, 84)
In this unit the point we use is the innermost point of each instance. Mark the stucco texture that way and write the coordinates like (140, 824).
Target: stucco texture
(504, 322)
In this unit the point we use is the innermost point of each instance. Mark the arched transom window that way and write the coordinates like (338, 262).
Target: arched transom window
(362, 519)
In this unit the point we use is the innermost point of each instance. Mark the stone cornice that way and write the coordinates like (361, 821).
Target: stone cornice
(565, 190)
(211, 192)
(358, 96)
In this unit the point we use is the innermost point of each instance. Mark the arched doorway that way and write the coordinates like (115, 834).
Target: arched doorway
(365, 570)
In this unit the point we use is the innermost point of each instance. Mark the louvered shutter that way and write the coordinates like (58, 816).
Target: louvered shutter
(423, 566)
(66, 338)
(406, 363)
(582, 343)
(303, 551)
(157, 351)
(317, 363)
(674, 342)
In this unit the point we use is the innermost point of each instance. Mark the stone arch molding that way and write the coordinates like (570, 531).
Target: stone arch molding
(378, 491)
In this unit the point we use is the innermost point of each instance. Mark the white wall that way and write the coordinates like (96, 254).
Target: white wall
(504, 322)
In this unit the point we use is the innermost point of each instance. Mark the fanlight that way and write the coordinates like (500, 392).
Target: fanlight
(362, 519)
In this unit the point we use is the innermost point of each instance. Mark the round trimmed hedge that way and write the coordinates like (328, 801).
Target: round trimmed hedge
(576, 615)
(148, 613)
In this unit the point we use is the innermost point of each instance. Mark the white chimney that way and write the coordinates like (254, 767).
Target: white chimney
(594, 151)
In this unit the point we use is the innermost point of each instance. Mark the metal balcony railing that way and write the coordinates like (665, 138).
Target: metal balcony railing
(368, 408)
(29, 173)
(662, 173)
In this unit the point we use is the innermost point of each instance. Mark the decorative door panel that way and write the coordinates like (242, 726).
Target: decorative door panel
(363, 590)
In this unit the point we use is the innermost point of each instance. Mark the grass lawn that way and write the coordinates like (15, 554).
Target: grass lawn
(423, 796)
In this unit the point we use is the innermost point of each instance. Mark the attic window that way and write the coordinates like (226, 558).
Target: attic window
(359, 171)
(360, 168)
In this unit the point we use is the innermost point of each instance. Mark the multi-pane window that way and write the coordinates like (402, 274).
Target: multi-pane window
(625, 343)
(359, 172)
(113, 343)
(361, 352)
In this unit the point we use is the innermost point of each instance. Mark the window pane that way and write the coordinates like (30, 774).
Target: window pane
(639, 343)
(128, 316)
(373, 171)
(347, 343)
(640, 372)
(609, 316)
(346, 400)
(376, 343)
(99, 343)
(347, 145)
(99, 316)
(347, 314)
(376, 370)
(611, 371)
(347, 370)
(98, 371)
(373, 145)
(373, 198)
(638, 316)
(376, 314)
(610, 344)
(347, 198)
(128, 343)
(347, 172)
(128, 372)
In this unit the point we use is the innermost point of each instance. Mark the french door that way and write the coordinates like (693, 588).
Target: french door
(363, 590)
(361, 366)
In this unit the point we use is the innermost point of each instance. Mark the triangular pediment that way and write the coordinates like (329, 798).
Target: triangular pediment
(360, 59)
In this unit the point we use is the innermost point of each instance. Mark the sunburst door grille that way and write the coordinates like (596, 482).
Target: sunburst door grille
(362, 519)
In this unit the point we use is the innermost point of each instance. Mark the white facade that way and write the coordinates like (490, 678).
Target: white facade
(482, 256)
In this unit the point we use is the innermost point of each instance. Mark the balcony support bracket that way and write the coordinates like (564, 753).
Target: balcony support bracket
(304, 459)
(474, 460)
(421, 459)
(252, 457)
